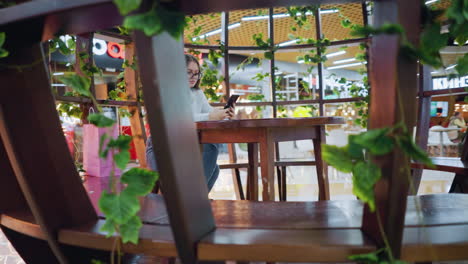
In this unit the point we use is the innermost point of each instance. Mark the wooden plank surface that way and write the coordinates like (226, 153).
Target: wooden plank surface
(269, 122)
(446, 164)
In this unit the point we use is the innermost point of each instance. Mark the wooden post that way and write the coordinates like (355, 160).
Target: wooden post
(393, 95)
(132, 94)
(167, 99)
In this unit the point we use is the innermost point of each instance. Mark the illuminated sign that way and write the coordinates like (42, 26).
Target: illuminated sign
(114, 50)
(445, 83)
(101, 47)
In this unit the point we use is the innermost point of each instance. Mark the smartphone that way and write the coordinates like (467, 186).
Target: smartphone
(231, 101)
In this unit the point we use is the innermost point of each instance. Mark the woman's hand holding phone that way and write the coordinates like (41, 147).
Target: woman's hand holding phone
(220, 114)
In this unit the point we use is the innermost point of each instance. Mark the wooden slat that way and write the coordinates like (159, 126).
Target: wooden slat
(11, 197)
(166, 93)
(270, 122)
(283, 245)
(135, 119)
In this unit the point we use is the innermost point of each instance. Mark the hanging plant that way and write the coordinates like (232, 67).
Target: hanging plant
(160, 18)
(3, 52)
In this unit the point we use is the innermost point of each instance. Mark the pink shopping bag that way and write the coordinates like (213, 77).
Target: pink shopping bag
(92, 163)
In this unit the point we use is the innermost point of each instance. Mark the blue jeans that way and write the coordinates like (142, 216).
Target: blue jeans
(210, 156)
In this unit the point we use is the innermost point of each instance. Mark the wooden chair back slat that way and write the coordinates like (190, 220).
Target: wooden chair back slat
(167, 97)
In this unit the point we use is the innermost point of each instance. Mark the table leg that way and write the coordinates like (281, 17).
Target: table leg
(322, 172)
(252, 172)
(267, 148)
(441, 144)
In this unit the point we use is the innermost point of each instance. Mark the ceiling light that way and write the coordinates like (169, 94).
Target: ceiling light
(281, 15)
(58, 84)
(451, 66)
(338, 53)
(58, 73)
(344, 60)
(430, 2)
(294, 41)
(216, 31)
(346, 65)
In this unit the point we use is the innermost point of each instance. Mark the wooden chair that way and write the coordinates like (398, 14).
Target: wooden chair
(52, 212)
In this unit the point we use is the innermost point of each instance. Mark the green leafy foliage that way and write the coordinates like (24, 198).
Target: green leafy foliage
(3, 52)
(299, 15)
(139, 181)
(157, 20)
(131, 229)
(365, 175)
(462, 65)
(127, 6)
(100, 120)
(338, 158)
(119, 208)
(356, 157)
(79, 84)
(70, 109)
(267, 45)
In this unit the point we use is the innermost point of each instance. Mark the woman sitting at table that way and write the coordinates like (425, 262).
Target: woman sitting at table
(202, 111)
(457, 121)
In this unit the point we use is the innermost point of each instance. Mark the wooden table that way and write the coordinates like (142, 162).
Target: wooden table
(266, 132)
(455, 165)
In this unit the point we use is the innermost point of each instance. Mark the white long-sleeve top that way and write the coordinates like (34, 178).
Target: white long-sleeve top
(200, 106)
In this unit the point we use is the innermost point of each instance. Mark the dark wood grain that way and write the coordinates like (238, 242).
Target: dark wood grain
(177, 151)
(59, 200)
(252, 179)
(269, 122)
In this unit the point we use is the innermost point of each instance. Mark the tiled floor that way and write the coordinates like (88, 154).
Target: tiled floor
(8, 255)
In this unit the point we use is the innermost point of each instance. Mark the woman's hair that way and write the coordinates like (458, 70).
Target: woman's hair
(189, 58)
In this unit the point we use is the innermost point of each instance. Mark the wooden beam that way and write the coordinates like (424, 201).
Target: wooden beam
(167, 97)
(135, 119)
(393, 95)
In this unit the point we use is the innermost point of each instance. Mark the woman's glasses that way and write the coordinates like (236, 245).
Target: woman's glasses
(196, 75)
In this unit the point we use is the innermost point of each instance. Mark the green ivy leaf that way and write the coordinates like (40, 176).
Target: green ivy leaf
(127, 6)
(103, 151)
(462, 65)
(130, 231)
(410, 148)
(432, 40)
(365, 175)
(365, 258)
(147, 22)
(3, 53)
(121, 159)
(156, 21)
(2, 38)
(172, 21)
(346, 23)
(337, 157)
(108, 227)
(119, 207)
(100, 120)
(376, 141)
(79, 84)
(355, 150)
(122, 142)
(139, 181)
